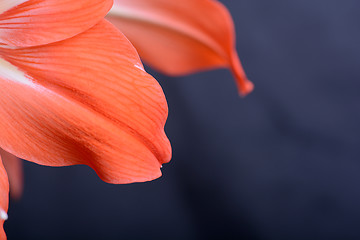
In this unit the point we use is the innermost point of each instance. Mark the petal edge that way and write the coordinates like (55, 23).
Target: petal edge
(81, 101)
(180, 40)
(37, 22)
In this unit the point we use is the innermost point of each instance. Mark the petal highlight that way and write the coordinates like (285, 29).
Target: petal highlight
(8, 4)
(82, 101)
(4, 198)
(181, 37)
(37, 22)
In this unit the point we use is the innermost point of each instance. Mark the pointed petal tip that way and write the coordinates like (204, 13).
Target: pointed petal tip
(245, 87)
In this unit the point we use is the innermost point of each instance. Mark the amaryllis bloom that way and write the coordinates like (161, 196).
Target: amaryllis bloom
(174, 37)
(73, 91)
(181, 37)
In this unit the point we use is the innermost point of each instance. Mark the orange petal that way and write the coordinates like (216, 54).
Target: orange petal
(181, 37)
(36, 22)
(4, 199)
(84, 101)
(14, 169)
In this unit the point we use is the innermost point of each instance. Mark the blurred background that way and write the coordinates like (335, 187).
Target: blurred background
(282, 163)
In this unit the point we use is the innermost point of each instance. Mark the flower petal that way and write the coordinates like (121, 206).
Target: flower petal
(4, 198)
(14, 169)
(36, 22)
(84, 101)
(181, 37)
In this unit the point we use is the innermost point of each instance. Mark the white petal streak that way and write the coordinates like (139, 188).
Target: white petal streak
(12, 73)
(8, 4)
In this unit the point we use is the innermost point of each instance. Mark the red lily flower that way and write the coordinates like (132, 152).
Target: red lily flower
(73, 91)
(179, 41)
(173, 38)
(181, 37)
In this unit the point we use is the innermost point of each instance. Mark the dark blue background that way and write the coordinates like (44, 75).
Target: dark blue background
(283, 163)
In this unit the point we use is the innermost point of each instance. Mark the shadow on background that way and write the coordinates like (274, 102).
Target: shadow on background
(283, 163)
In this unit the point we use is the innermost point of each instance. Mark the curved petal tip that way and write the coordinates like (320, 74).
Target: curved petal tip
(179, 40)
(244, 85)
